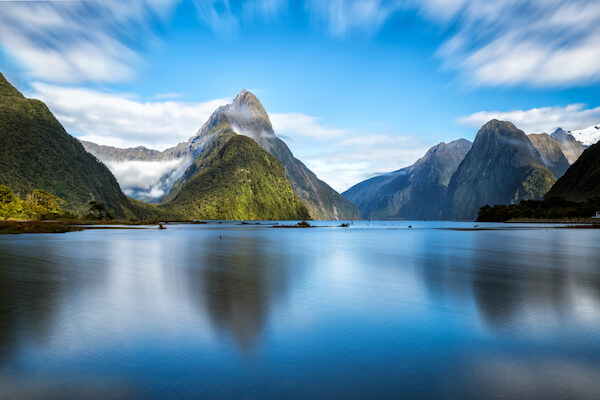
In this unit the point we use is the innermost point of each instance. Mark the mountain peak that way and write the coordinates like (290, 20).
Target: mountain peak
(6, 89)
(246, 97)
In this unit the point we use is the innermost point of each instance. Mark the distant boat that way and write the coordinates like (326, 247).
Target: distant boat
(597, 216)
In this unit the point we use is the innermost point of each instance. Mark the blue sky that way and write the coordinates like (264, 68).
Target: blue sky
(355, 87)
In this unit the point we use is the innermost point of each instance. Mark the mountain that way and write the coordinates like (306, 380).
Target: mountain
(581, 182)
(235, 179)
(415, 192)
(37, 153)
(588, 136)
(571, 147)
(550, 152)
(502, 167)
(245, 116)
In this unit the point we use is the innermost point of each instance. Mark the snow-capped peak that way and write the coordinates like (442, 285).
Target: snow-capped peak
(589, 135)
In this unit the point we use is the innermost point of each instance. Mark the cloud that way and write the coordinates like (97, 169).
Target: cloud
(341, 157)
(147, 179)
(495, 43)
(296, 124)
(344, 157)
(343, 16)
(225, 17)
(544, 119)
(122, 120)
(76, 41)
(512, 42)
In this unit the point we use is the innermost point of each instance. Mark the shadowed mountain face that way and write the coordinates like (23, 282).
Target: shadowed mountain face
(581, 182)
(415, 192)
(570, 146)
(37, 153)
(550, 152)
(245, 116)
(503, 167)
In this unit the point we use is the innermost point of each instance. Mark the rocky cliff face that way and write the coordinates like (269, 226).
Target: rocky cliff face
(415, 192)
(502, 167)
(570, 146)
(550, 153)
(246, 116)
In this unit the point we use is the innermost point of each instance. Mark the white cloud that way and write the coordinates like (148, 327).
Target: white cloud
(121, 120)
(343, 16)
(302, 125)
(147, 179)
(74, 41)
(536, 120)
(511, 42)
(341, 157)
(344, 157)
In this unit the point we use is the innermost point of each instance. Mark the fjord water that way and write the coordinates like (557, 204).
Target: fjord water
(230, 311)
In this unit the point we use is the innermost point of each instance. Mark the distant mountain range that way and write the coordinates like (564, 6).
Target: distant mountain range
(503, 167)
(175, 166)
(454, 180)
(226, 176)
(236, 167)
(414, 192)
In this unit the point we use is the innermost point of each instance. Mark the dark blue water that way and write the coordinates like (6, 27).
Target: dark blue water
(251, 312)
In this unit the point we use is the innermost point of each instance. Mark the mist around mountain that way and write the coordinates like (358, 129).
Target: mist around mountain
(571, 147)
(502, 167)
(37, 153)
(415, 192)
(235, 179)
(172, 168)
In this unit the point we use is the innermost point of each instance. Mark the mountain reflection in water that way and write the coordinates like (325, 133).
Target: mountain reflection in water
(228, 311)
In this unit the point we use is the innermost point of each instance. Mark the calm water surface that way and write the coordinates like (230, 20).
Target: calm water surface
(251, 312)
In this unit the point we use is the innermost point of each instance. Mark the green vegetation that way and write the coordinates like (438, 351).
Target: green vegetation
(38, 205)
(234, 179)
(37, 153)
(553, 208)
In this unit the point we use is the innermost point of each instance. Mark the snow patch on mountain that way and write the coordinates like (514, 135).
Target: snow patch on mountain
(587, 136)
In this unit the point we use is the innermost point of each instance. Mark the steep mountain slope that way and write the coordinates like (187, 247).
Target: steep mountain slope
(235, 179)
(588, 136)
(415, 192)
(37, 153)
(246, 116)
(570, 146)
(581, 182)
(502, 167)
(550, 152)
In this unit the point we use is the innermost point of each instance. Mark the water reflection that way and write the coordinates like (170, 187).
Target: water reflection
(262, 313)
(239, 280)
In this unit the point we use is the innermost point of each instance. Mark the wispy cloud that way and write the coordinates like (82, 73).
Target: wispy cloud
(225, 17)
(344, 16)
(531, 42)
(544, 119)
(509, 42)
(122, 120)
(344, 157)
(76, 41)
